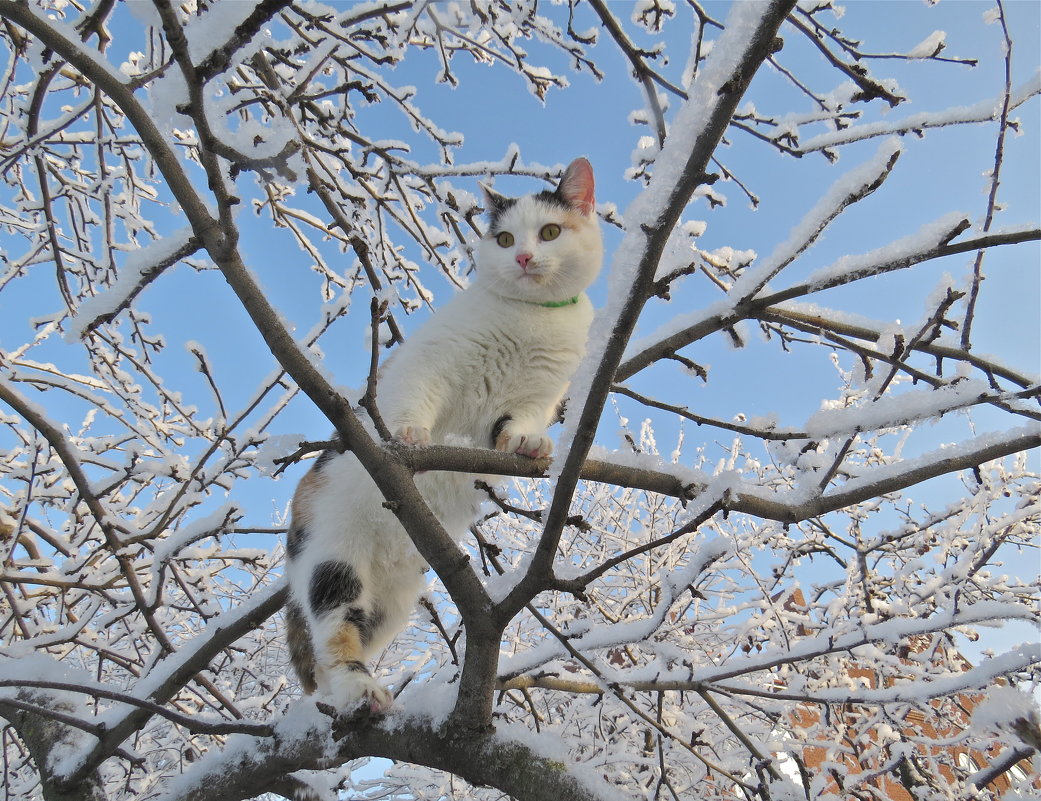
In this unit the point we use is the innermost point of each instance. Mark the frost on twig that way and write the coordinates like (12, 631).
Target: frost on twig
(785, 548)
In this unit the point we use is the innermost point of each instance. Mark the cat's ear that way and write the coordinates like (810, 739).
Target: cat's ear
(576, 186)
(492, 199)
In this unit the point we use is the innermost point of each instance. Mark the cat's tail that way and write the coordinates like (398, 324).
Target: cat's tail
(301, 649)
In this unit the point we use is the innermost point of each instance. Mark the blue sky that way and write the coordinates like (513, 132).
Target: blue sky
(942, 172)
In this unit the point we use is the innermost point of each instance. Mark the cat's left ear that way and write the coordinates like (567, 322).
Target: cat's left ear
(576, 186)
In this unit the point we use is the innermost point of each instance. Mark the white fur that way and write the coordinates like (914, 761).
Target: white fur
(563, 268)
(489, 352)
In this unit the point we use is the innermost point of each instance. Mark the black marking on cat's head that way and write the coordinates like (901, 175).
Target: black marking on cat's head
(502, 204)
(555, 198)
(496, 205)
(296, 537)
(574, 192)
(333, 584)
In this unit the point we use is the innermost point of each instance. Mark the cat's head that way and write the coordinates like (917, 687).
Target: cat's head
(546, 247)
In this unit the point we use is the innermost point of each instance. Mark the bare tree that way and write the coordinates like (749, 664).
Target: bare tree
(760, 612)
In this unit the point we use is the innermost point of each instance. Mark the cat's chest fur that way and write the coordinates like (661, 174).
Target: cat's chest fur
(480, 357)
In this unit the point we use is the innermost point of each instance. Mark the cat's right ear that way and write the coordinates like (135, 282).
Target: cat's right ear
(576, 186)
(492, 199)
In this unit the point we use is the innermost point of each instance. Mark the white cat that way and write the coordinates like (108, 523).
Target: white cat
(490, 368)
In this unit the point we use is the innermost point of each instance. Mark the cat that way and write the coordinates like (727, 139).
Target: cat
(489, 369)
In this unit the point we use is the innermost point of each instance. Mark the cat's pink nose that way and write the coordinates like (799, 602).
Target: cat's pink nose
(523, 259)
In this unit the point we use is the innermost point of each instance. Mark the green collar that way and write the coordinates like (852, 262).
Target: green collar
(556, 304)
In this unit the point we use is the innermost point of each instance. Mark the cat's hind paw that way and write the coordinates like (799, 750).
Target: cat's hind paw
(357, 690)
(534, 446)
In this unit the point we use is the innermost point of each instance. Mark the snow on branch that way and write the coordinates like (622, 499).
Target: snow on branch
(801, 565)
(984, 111)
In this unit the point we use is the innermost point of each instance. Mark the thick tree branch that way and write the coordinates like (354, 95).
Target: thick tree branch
(818, 322)
(48, 726)
(493, 759)
(762, 303)
(746, 499)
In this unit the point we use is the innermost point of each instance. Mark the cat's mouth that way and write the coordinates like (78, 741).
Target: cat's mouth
(532, 273)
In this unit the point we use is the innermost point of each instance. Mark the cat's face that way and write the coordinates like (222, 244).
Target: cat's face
(545, 247)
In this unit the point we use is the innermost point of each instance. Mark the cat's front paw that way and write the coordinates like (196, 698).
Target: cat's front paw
(356, 689)
(413, 435)
(530, 444)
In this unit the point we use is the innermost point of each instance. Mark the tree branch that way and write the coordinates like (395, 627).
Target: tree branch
(169, 676)
(762, 303)
(744, 498)
(493, 759)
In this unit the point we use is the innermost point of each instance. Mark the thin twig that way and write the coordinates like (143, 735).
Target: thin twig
(995, 182)
(193, 724)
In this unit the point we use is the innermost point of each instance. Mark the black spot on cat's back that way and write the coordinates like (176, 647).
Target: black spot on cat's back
(367, 622)
(333, 584)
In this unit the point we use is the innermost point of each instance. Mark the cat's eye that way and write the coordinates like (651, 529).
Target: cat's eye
(549, 232)
(504, 238)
